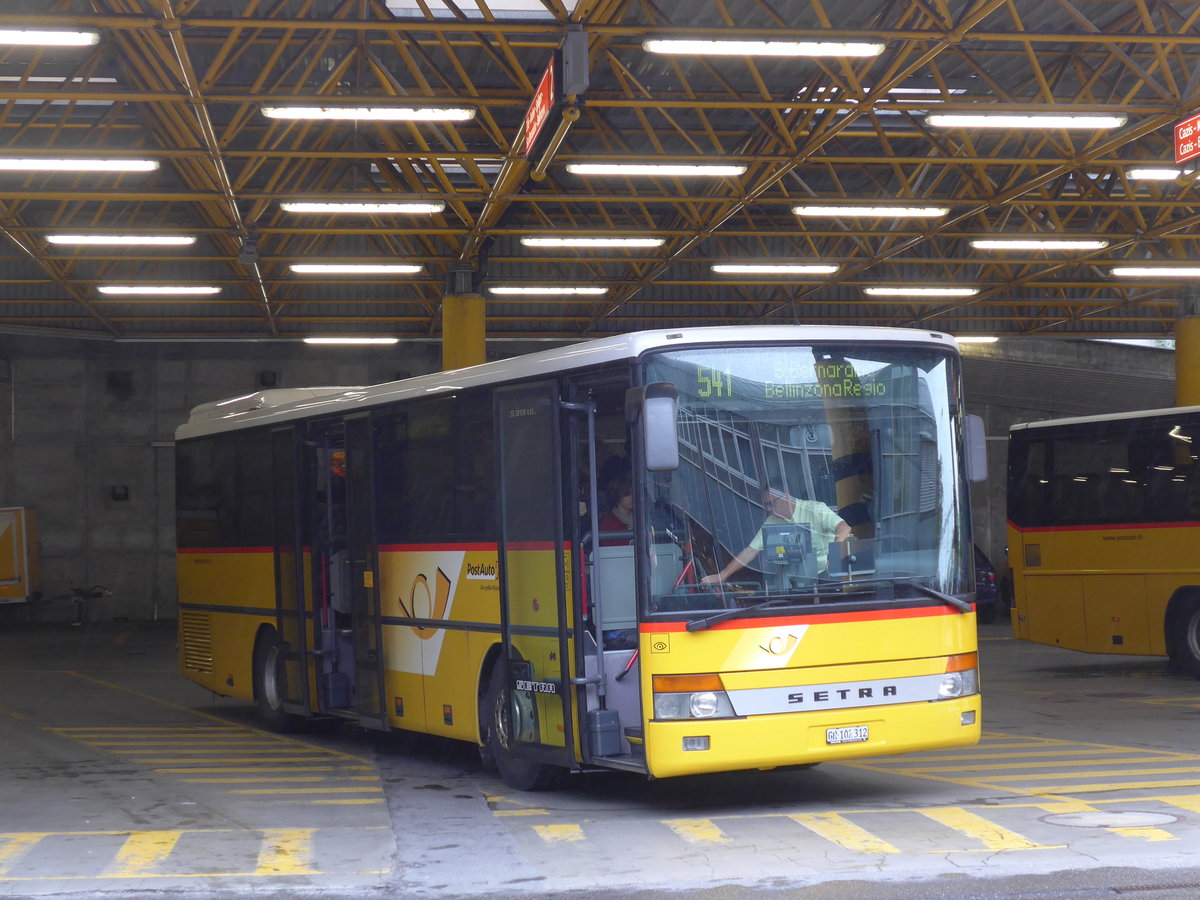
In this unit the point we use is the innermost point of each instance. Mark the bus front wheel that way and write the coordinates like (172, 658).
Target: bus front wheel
(521, 774)
(270, 685)
(1187, 639)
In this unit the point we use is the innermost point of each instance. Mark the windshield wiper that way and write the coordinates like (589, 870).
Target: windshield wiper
(723, 615)
(951, 600)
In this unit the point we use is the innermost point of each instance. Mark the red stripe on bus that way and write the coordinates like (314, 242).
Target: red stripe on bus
(182, 550)
(741, 624)
(532, 545)
(1133, 526)
(413, 548)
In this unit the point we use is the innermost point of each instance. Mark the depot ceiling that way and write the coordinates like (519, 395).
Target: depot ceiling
(324, 168)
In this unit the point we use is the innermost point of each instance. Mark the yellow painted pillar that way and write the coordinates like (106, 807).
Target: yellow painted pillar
(1187, 352)
(464, 326)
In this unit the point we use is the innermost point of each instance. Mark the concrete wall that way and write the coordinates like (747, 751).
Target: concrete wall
(78, 418)
(1029, 380)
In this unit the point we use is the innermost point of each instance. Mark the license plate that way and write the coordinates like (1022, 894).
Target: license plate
(852, 735)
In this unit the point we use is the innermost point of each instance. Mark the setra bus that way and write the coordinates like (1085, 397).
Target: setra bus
(1102, 523)
(440, 554)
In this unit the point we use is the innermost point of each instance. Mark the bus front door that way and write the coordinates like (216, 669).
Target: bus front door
(534, 621)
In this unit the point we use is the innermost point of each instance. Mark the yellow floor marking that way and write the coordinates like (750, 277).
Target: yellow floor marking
(216, 720)
(1046, 765)
(697, 831)
(1060, 752)
(1142, 832)
(843, 832)
(559, 834)
(14, 845)
(191, 745)
(520, 812)
(1033, 777)
(216, 770)
(1145, 833)
(321, 790)
(991, 835)
(242, 760)
(1190, 802)
(1086, 788)
(366, 802)
(271, 779)
(286, 851)
(142, 850)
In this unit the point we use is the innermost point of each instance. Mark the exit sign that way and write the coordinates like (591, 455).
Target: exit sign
(1187, 139)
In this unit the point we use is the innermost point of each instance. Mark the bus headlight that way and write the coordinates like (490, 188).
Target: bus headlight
(691, 697)
(959, 684)
(693, 705)
(961, 678)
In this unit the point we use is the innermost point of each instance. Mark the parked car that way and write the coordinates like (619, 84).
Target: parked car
(987, 588)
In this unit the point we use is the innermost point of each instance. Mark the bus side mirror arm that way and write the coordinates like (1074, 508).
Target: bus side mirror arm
(975, 446)
(656, 406)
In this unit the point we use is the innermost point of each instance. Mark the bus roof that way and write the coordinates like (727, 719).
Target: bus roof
(264, 407)
(1106, 417)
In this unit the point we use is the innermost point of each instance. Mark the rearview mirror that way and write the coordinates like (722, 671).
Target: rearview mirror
(975, 447)
(656, 406)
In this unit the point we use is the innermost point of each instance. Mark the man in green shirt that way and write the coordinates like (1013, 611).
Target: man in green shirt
(784, 509)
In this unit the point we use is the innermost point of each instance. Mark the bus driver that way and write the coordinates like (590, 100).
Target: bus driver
(783, 509)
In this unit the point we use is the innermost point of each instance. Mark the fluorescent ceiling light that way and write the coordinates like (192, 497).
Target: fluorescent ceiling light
(351, 340)
(354, 268)
(901, 291)
(775, 268)
(981, 339)
(878, 212)
(546, 289)
(25, 164)
(31, 37)
(709, 171)
(128, 240)
(1017, 120)
(372, 113)
(591, 242)
(157, 289)
(363, 208)
(496, 9)
(1156, 272)
(1038, 244)
(764, 48)
(1154, 174)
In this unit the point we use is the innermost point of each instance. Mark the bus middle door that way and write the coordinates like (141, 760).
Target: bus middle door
(534, 621)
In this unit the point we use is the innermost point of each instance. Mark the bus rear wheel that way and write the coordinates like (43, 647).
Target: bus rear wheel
(270, 686)
(520, 774)
(1187, 639)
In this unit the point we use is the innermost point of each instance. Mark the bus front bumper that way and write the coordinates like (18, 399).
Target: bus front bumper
(695, 746)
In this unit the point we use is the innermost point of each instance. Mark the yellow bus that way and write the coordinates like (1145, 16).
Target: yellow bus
(1103, 516)
(526, 554)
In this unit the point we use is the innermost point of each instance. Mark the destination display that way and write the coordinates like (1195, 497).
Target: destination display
(835, 380)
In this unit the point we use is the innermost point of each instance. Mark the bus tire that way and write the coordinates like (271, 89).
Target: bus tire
(1186, 639)
(519, 774)
(270, 685)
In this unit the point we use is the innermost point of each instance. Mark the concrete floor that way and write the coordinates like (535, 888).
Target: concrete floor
(121, 778)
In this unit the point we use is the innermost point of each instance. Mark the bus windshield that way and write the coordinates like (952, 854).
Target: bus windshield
(808, 474)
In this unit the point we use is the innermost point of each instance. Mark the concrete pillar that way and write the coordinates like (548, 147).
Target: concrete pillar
(464, 326)
(1187, 351)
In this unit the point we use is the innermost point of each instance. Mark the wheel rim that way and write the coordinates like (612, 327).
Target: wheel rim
(271, 690)
(1192, 634)
(501, 717)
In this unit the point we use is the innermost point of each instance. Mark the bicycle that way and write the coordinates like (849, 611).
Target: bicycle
(81, 599)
